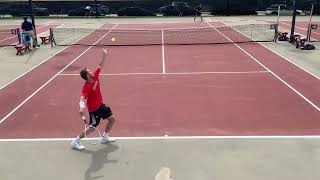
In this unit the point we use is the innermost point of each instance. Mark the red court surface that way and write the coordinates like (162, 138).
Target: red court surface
(227, 58)
(159, 26)
(195, 90)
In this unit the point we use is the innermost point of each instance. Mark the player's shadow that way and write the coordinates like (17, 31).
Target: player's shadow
(98, 159)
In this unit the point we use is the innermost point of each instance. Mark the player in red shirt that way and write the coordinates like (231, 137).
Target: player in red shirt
(96, 108)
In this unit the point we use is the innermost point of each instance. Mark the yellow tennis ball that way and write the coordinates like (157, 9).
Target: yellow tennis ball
(113, 39)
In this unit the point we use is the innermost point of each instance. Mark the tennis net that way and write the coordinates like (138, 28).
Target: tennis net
(187, 36)
(8, 37)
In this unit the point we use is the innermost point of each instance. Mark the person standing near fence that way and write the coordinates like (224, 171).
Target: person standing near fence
(88, 12)
(28, 28)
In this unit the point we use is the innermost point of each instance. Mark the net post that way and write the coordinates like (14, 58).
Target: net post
(293, 21)
(96, 8)
(33, 21)
(309, 25)
(52, 40)
(74, 36)
(276, 26)
(276, 32)
(251, 31)
(278, 14)
(19, 35)
(309, 32)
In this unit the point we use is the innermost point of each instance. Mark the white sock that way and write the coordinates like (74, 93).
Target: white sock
(105, 134)
(78, 139)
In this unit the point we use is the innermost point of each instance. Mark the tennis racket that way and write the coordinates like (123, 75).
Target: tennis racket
(94, 136)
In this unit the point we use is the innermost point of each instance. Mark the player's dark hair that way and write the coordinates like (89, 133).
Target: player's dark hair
(84, 73)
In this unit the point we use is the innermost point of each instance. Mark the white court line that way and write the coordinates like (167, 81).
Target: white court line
(169, 138)
(282, 28)
(302, 35)
(187, 22)
(8, 38)
(299, 27)
(285, 57)
(290, 60)
(164, 29)
(163, 60)
(296, 32)
(159, 29)
(9, 114)
(284, 82)
(44, 32)
(307, 71)
(291, 24)
(177, 73)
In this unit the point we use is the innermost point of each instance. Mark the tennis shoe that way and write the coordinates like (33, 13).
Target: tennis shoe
(76, 145)
(106, 139)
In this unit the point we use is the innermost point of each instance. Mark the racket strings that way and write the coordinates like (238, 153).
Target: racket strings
(86, 128)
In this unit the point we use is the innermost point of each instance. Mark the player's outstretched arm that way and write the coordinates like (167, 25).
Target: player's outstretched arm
(104, 57)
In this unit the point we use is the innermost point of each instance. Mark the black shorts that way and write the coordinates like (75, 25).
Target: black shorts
(102, 113)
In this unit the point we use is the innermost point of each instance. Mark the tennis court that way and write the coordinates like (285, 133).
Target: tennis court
(175, 104)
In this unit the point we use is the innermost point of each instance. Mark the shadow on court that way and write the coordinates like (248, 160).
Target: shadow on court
(98, 159)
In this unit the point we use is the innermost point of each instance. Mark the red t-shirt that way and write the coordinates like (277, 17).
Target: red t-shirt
(91, 91)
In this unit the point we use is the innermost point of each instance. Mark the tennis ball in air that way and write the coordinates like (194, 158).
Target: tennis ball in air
(113, 39)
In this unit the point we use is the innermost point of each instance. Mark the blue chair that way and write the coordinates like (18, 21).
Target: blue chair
(25, 44)
(25, 38)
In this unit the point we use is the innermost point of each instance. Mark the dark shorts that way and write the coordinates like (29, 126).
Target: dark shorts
(103, 112)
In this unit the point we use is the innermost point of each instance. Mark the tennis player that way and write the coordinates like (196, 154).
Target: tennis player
(96, 108)
(198, 12)
(27, 27)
